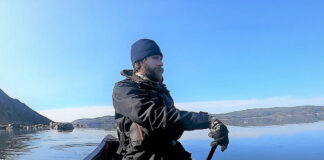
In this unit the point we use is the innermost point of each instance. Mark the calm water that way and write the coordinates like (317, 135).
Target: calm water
(289, 142)
(50, 144)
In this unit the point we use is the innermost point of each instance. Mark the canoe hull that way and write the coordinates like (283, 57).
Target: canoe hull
(106, 150)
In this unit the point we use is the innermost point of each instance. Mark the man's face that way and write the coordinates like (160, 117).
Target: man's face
(152, 68)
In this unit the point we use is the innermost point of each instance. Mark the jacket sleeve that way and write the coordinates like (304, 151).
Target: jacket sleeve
(151, 112)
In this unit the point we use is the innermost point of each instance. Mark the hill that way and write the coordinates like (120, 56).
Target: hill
(105, 122)
(273, 116)
(14, 111)
(244, 118)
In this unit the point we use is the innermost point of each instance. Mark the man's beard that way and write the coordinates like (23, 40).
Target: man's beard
(154, 74)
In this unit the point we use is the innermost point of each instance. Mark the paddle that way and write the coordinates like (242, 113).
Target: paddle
(211, 152)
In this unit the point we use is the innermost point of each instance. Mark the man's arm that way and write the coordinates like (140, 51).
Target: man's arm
(193, 120)
(151, 112)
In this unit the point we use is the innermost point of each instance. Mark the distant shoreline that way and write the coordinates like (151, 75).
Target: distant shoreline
(245, 118)
(273, 116)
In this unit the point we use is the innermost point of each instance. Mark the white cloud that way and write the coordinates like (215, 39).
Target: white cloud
(70, 114)
(236, 105)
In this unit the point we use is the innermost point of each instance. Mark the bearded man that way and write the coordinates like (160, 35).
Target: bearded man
(148, 123)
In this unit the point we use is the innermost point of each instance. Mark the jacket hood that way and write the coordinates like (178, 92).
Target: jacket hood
(128, 73)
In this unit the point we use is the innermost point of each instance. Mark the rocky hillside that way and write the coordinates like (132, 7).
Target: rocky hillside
(106, 122)
(273, 116)
(13, 111)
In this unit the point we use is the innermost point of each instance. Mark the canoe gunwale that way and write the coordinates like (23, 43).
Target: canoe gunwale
(97, 153)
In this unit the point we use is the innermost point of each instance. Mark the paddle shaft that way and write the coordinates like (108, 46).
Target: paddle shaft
(211, 152)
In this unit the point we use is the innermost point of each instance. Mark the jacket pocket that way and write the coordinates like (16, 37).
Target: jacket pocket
(136, 134)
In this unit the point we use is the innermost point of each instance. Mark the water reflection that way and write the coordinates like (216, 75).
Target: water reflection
(50, 144)
(13, 143)
(253, 132)
(298, 141)
(288, 142)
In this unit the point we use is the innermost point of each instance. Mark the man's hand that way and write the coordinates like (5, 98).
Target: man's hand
(219, 132)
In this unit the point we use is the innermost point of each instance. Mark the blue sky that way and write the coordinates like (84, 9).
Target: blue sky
(58, 54)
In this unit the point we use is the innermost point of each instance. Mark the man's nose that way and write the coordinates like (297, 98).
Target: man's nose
(160, 63)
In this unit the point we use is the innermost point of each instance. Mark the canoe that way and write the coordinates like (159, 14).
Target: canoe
(106, 150)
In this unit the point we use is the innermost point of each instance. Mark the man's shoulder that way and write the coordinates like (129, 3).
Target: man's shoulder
(126, 86)
(127, 82)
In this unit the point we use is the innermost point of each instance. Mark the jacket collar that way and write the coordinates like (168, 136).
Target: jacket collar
(141, 80)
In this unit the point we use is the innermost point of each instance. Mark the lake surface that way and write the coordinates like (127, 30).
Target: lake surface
(288, 142)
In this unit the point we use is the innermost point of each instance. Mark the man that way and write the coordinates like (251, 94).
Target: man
(148, 123)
